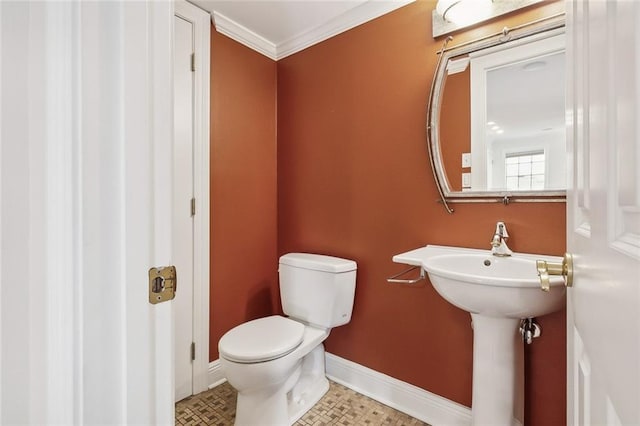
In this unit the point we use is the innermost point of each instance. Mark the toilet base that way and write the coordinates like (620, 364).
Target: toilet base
(262, 408)
(311, 385)
(284, 405)
(298, 408)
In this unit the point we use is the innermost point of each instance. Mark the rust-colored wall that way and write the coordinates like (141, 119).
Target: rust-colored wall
(354, 181)
(455, 126)
(243, 186)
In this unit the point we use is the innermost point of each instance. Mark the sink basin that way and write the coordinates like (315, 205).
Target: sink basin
(498, 292)
(493, 286)
(478, 282)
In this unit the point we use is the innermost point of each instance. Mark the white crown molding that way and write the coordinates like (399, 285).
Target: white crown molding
(402, 396)
(365, 12)
(244, 35)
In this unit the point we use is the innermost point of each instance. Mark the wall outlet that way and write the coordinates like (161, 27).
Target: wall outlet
(466, 180)
(466, 159)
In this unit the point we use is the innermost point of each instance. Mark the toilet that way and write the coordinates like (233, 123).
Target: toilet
(277, 363)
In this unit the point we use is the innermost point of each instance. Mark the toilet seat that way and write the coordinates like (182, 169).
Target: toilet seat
(261, 340)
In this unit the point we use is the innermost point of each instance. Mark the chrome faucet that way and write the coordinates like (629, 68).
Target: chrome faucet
(499, 241)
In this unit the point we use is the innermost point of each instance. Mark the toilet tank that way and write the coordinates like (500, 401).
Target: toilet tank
(317, 289)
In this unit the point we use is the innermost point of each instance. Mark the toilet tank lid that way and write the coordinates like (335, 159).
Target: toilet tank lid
(318, 262)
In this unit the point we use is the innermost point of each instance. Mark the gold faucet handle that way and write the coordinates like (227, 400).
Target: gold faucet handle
(543, 274)
(564, 269)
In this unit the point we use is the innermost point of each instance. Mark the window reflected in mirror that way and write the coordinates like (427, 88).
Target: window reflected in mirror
(524, 171)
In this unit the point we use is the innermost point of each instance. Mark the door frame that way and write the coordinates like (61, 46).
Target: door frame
(201, 189)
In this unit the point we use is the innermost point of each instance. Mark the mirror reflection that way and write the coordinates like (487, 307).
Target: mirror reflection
(523, 128)
(501, 117)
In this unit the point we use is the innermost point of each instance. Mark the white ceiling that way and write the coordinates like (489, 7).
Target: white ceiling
(527, 98)
(279, 28)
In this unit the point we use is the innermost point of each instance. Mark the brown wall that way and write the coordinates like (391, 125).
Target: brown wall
(354, 181)
(455, 126)
(243, 186)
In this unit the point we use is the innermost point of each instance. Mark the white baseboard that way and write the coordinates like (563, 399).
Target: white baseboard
(402, 396)
(216, 375)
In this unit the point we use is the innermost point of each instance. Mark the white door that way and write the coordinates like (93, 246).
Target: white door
(86, 125)
(603, 223)
(190, 206)
(182, 202)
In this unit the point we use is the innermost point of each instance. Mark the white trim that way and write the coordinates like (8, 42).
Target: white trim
(244, 35)
(1, 222)
(358, 15)
(201, 172)
(402, 396)
(216, 375)
(202, 195)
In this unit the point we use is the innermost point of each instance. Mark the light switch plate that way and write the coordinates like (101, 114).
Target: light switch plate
(466, 180)
(466, 159)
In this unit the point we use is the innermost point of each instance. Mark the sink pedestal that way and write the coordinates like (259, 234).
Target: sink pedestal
(498, 292)
(498, 372)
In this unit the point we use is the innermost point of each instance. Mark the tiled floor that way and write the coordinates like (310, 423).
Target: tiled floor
(339, 406)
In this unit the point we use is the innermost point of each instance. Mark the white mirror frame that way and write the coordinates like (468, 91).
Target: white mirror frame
(551, 25)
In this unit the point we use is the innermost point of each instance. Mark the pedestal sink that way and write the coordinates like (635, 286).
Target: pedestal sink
(498, 292)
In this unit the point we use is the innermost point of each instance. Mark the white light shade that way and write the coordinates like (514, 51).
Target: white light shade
(444, 5)
(464, 12)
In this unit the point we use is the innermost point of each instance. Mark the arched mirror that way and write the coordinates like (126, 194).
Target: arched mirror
(496, 120)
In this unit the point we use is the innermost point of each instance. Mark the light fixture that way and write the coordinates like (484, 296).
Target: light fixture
(452, 15)
(464, 12)
(443, 7)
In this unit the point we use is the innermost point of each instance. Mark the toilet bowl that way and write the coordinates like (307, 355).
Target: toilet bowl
(277, 363)
(266, 394)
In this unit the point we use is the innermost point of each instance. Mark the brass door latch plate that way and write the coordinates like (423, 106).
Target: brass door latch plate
(162, 284)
